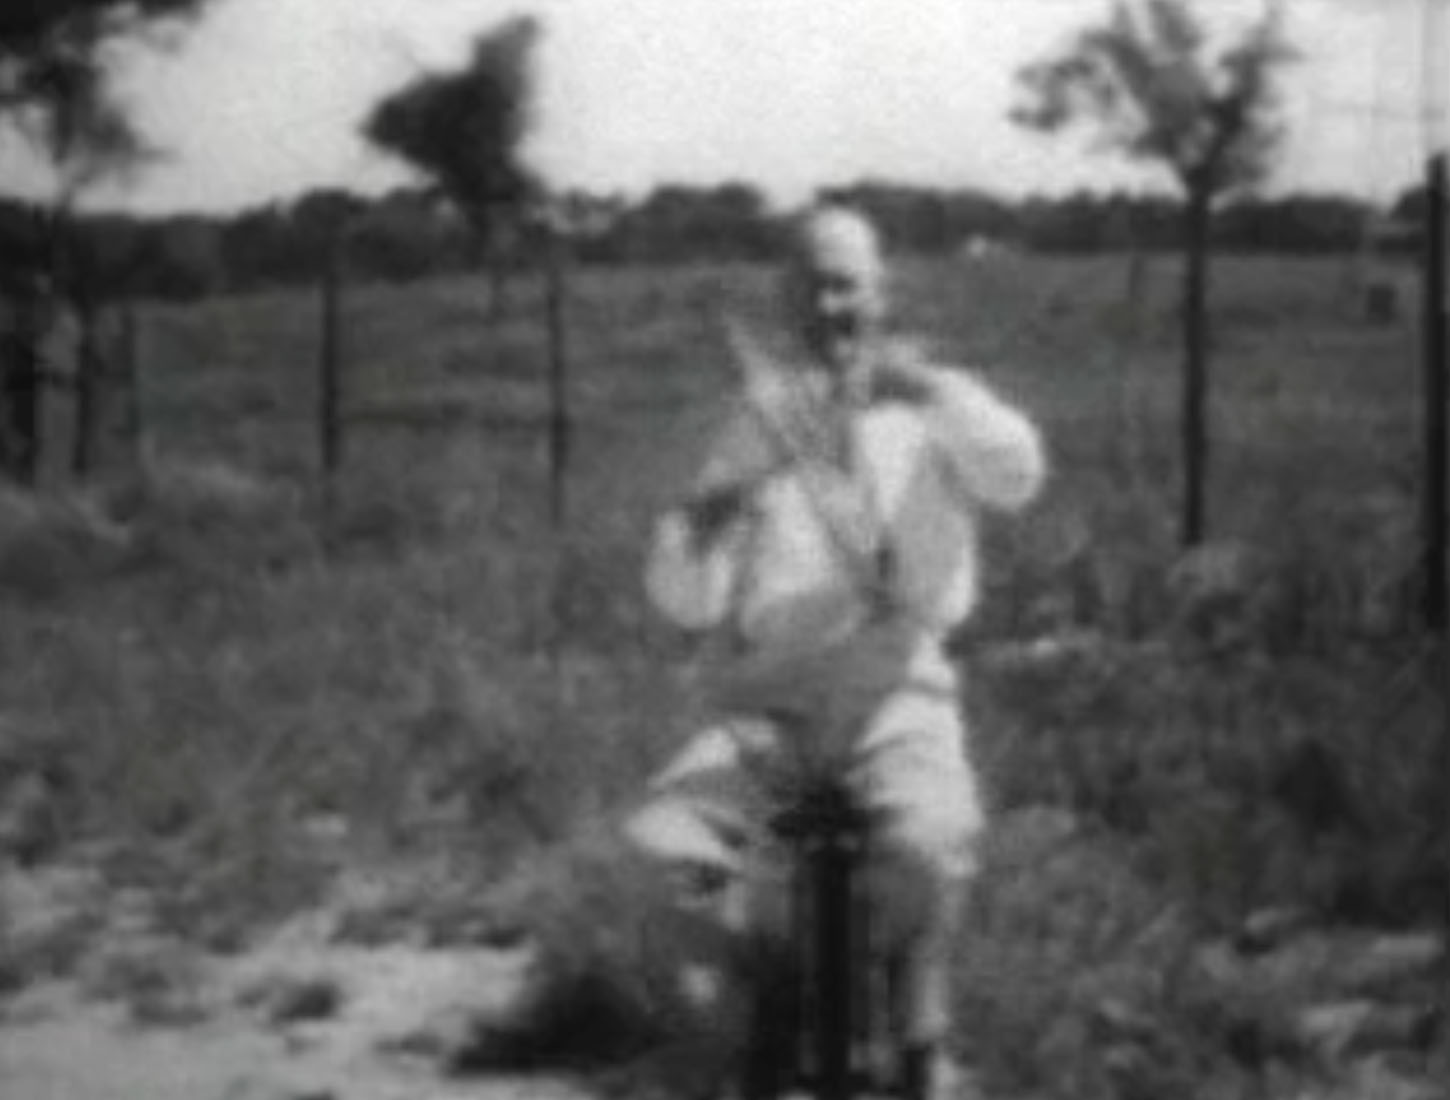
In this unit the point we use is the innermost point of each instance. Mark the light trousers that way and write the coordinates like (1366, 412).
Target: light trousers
(707, 819)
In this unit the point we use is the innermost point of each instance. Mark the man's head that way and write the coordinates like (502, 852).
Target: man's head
(836, 284)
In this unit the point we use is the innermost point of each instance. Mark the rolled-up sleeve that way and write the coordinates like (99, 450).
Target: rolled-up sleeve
(689, 581)
(994, 451)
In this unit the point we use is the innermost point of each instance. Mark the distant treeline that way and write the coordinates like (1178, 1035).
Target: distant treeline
(409, 233)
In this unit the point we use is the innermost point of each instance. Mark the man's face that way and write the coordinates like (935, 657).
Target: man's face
(840, 292)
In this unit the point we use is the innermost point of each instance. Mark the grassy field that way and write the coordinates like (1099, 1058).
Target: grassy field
(225, 685)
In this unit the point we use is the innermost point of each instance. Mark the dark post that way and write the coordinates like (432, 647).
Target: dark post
(1195, 380)
(560, 428)
(330, 360)
(85, 390)
(22, 326)
(498, 275)
(560, 425)
(836, 960)
(1135, 292)
(1436, 319)
(132, 354)
(1437, 398)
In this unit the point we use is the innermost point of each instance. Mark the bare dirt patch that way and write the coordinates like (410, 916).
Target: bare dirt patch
(297, 1016)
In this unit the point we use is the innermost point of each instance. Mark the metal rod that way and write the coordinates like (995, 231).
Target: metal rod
(330, 361)
(1436, 499)
(84, 391)
(559, 429)
(132, 354)
(803, 1042)
(560, 422)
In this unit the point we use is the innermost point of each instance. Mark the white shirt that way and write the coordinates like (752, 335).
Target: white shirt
(793, 575)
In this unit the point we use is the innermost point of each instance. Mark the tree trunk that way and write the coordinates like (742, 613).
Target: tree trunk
(20, 388)
(1195, 365)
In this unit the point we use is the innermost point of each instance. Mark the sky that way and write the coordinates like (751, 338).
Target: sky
(263, 98)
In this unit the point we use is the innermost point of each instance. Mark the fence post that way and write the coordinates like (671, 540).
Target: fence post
(135, 403)
(21, 376)
(1436, 486)
(560, 430)
(330, 360)
(1135, 293)
(1195, 438)
(84, 390)
(560, 425)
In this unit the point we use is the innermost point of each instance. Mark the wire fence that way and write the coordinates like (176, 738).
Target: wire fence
(289, 381)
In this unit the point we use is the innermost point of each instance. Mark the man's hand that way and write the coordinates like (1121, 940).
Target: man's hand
(710, 512)
(905, 381)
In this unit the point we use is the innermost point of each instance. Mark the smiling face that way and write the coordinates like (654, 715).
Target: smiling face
(837, 287)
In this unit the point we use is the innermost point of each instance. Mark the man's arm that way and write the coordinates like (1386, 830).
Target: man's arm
(992, 450)
(694, 560)
(698, 543)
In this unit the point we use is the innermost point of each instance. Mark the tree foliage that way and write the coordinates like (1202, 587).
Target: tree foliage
(1150, 86)
(57, 96)
(463, 130)
(411, 232)
(54, 88)
(38, 38)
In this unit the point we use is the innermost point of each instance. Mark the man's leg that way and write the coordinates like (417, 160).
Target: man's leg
(703, 823)
(914, 773)
(704, 814)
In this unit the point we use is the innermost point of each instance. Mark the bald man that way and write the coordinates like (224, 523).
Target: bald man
(830, 543)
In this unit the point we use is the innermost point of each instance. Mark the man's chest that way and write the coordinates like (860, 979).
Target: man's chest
(851, 504)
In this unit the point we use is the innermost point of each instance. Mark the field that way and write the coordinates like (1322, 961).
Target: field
(230, 689)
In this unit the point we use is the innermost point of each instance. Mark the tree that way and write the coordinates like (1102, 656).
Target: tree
(463, 131)
(56, 96)
(1152, 89)
(55, 93)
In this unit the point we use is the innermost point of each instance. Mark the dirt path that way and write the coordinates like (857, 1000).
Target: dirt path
(294, 1020)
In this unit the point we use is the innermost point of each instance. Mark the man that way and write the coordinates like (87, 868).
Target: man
(830, 542)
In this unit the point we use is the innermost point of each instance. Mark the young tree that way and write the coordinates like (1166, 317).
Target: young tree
(56, 97)
(1150, 86)
(463, 131)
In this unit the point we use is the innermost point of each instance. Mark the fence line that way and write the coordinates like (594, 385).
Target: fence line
(108, 369)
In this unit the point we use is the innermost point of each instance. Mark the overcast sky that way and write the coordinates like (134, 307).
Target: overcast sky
(264, 98)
